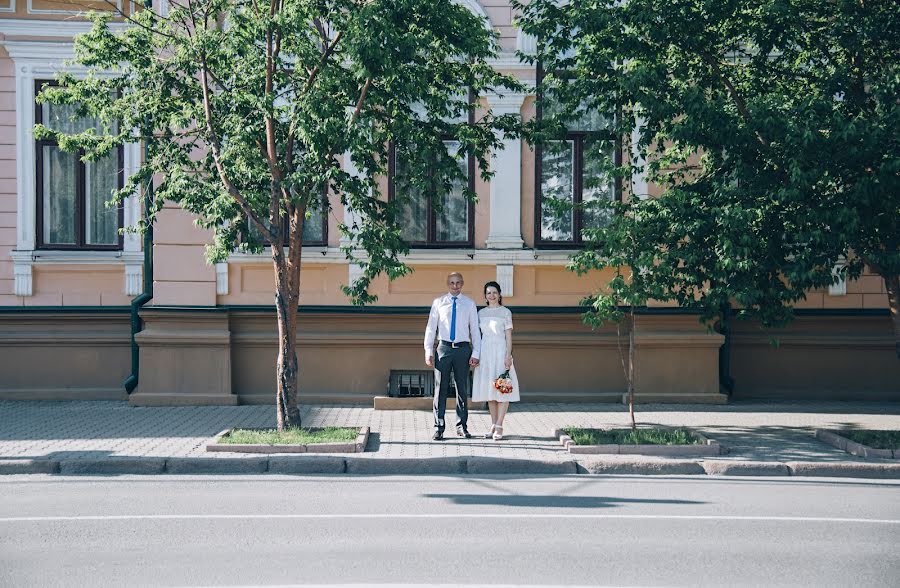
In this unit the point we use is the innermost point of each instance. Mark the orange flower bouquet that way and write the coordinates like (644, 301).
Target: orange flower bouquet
(503, 383)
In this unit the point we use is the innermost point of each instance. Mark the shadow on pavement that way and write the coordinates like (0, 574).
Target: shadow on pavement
(549, 501)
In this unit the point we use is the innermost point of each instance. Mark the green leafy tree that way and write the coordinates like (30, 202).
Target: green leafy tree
(772, 128)
(246, 107)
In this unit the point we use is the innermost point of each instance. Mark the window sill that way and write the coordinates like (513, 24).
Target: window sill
(69, 257)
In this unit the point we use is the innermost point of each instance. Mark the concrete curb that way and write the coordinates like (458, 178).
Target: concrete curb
(454, 466)
(643, 467)
(28, 466)
(217, 465)
(489, 465)
(835, 439)
(886, 471)
(311, 464)
(407, 466)
(706, 448)
(113, 465)
(745, 468)
(358, 445)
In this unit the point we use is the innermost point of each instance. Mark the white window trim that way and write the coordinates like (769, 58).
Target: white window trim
(34, 60)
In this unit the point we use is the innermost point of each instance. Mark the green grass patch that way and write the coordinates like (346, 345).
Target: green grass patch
(874, 439)
(297, 436)
(629, 437)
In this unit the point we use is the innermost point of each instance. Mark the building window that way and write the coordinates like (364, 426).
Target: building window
(431, 215)
(572, 180)
(72, 194)
(315, 229)
(434, 216)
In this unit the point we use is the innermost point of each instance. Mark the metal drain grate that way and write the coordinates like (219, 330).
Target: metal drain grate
(411, 383)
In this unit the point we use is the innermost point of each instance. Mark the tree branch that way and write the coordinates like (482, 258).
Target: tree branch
(329, 49)
(735, 95)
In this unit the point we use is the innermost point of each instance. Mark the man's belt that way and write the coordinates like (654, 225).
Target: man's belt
(456, 344)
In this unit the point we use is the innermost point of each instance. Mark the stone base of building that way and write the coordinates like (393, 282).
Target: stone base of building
(226, 356)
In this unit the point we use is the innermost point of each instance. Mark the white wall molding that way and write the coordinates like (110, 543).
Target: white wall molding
(32, 10)
(506, 185)
(505, 278)
(839, 288)
(27, 27)
(10, 8)
(351, 217)
(510, 61)
(134, 278)
(526, 43)
(639, 186)
(460, 257)
(22, 271)
(222, 278)
(354, 272)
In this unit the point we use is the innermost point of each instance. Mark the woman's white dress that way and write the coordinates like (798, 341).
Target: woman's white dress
(494, 323)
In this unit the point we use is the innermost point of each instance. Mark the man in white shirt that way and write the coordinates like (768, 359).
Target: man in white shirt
(453, 321)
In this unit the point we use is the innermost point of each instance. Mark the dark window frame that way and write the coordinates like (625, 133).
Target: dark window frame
(431, 241)
(578, 138)
(285, 225)
(80, 192)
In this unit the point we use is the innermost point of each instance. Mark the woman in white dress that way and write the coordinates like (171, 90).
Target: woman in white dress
(496, 325)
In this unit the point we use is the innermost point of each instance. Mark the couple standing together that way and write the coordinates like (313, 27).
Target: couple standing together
(467, 337)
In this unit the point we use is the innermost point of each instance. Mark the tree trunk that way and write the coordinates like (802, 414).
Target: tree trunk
(892, 283)
(287, 408)
(631, 367)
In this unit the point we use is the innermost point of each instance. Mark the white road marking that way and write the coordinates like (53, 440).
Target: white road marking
(388, 516)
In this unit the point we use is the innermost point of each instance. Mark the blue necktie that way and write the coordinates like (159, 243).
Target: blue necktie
(453, 321)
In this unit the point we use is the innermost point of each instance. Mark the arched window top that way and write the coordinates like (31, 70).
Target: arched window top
(477, 10)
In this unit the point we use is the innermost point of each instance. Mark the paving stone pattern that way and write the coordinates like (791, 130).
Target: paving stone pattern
(757, 431)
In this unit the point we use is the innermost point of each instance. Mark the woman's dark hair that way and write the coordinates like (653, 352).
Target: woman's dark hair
(499, 291)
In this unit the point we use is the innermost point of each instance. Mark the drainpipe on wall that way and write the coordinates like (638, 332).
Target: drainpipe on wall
(144, 297)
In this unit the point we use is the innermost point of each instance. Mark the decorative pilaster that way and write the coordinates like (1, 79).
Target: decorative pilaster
(134, 276)
(506, 185)
(839, 288)
(221, 279)
(639, 179)
(351, 218)
(354, 272)
(505, 279)
(22, 263)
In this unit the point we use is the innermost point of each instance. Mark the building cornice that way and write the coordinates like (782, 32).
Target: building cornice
(56, 29)
(334, 255)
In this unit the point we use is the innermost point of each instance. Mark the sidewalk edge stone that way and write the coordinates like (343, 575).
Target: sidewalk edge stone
(745, 468)
(307, 464)
(28, 466)
(503, 465)
(113, 465)
(651, 467)
(217, 465)
(885, 471)
(401, 466)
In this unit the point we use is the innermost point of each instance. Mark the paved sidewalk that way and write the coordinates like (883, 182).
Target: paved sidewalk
(763, 438)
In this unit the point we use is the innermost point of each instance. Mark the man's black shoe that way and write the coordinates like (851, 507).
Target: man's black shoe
(438, 436)
(463, 432)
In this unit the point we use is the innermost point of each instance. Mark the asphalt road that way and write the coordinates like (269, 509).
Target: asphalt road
(577, 530)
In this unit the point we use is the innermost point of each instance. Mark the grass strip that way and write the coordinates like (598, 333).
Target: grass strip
(874, 439)
(628, 437)
(296, 436)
